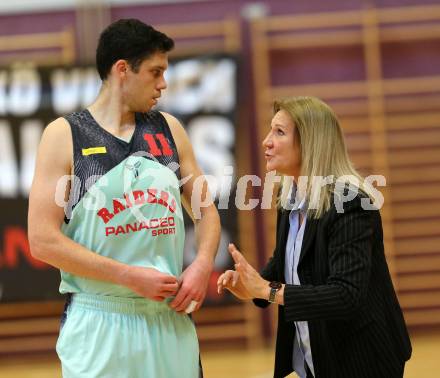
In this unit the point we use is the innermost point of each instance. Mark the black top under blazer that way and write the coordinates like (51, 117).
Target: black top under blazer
(356, 326)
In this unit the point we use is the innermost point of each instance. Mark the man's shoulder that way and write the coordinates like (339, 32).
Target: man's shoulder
(54, 157)
(177, 130)
(163, 117)
(172, 121)
(58, 128)
(57, 138)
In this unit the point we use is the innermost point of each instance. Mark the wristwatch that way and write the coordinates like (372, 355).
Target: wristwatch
(274, 287)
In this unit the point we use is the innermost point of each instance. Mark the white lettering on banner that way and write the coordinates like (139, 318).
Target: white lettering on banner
(73, 89)
(91, 85)
(211, 88)
(212, 138)
(8, 163)
(30, 134)
(3, 95)
(24, 91)
(218, 88)
(20, 91)
(200, 86)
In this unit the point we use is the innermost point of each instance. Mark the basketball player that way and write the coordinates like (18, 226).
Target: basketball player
(119, 241)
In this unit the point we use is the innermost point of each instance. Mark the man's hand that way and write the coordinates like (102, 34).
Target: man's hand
(150, 283)
(200, 207)
(245, 282)
(193, 285)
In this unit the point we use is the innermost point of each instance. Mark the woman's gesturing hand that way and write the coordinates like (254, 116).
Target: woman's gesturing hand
(231, 280)
(244, 282)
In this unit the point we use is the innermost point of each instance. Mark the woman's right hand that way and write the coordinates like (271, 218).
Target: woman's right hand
(231, 281)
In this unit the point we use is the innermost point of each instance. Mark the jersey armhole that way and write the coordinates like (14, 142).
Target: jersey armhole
(72, 171)
(165, 124)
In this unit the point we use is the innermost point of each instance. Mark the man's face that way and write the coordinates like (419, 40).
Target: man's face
(142, 89)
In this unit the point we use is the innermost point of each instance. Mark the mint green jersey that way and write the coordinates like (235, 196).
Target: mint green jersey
(138, 221)
(126, 206)
(129, 207)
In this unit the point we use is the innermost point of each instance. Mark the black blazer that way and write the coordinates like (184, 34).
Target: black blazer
(355, 322)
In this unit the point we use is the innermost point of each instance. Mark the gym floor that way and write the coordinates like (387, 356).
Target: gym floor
(243, 363)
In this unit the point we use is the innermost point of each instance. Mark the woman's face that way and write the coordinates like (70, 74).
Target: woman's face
(281, 146)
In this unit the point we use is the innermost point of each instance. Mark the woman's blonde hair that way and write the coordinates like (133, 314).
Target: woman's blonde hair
(323, 151)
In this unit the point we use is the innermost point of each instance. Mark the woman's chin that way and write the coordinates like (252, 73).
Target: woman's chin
(269, 167)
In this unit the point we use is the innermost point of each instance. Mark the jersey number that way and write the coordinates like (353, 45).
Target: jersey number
(154, 148)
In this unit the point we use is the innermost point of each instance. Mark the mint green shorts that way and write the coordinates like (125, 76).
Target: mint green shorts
(122, 337)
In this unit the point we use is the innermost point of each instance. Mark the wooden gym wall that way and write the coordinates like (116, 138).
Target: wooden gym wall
(32, 327)
(378, 69)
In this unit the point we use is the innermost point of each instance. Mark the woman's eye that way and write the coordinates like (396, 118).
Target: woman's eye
(280, 132)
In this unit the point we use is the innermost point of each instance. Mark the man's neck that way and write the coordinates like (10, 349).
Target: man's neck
(111, 114)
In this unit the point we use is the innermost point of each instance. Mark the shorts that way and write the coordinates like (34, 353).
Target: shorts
(122, 337)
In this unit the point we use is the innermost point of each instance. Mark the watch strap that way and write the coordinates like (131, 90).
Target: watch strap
(272, 294)
(274, 287)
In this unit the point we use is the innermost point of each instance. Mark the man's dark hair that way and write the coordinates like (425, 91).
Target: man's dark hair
(129, 39)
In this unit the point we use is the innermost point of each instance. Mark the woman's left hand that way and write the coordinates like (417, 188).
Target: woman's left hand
(247, 277)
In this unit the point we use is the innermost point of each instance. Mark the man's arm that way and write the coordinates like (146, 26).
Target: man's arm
(196, 276)
(49, 244)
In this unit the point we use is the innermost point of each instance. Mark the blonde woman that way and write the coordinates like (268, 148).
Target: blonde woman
(338, 314)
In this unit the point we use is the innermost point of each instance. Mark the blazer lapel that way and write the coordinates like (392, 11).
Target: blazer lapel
(309, 236)
(282, 241)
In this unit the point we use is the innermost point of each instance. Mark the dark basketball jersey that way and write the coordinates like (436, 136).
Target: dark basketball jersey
(125, 198)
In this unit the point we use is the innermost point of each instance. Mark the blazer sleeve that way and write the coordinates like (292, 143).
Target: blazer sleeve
(349, 249)
(269, 274)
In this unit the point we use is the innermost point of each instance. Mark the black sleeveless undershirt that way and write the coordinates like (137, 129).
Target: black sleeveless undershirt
(152, 137)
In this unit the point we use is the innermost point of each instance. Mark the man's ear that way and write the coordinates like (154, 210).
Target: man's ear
(120, 68)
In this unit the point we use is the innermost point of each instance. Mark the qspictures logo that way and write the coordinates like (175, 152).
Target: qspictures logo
(158, 226)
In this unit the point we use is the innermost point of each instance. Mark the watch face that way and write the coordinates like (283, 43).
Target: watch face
(275, 285)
